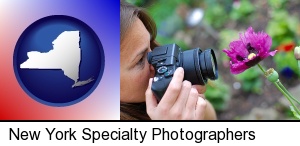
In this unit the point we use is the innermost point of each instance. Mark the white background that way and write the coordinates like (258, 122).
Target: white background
(266, 133)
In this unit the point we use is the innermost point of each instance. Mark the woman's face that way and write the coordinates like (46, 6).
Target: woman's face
(134, 67)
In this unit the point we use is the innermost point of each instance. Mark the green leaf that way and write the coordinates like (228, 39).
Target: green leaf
(296, 115)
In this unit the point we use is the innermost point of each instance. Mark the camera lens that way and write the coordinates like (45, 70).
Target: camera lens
(209, 66)
(199, 66)
(213, 64)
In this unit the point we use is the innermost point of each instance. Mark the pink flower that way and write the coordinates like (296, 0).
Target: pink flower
(249, 50)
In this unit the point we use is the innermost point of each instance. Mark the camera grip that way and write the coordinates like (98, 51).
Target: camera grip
(159, 86)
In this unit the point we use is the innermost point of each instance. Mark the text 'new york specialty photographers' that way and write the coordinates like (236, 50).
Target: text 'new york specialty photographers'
(130, 134)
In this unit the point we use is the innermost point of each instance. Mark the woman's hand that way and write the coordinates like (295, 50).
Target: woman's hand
(180, 101)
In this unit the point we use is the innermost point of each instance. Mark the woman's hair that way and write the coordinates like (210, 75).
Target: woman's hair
(128, 15)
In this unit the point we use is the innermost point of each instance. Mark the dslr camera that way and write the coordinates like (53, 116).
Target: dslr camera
(199, 66)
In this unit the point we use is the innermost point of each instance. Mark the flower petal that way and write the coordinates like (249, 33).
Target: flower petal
(239, 48)
(273, 53)
(259, 41)
(237, 51)
(231, 55)
(237, 68)
(264, 55)
(262, 42)
(247, 36)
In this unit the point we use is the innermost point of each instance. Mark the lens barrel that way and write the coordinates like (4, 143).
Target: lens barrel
(209, 64)
(199, 66)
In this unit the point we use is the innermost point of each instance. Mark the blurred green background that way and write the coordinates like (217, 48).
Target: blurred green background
(214, 24)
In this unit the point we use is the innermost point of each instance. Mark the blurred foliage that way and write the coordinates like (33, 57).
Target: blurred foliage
(242, 10)
(226, 36)
(286, 64)
(215, 14)
(167, 20)
(218, 13)
(251, 81)
(166, 40)
(162, 11)
(218, 93)
(283, 29)
(277, 4)
(139, 3)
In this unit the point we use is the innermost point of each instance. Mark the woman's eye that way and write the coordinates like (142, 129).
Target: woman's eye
(141, 61)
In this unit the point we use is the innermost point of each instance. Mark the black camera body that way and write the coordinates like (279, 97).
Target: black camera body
(198, 66)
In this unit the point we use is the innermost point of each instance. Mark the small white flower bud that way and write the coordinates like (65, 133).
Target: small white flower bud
(297, 52)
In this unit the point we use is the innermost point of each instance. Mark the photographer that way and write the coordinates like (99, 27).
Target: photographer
(181, 99)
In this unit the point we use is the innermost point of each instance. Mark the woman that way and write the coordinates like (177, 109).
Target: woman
(180, 101)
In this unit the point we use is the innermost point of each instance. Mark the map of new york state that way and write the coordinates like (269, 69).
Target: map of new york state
(65, 55)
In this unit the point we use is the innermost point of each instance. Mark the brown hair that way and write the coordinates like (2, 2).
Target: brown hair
(128, 14)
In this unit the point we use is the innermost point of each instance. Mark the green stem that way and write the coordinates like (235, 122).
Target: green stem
(261, 68)
(283, 90)
(286, 91)
(287, 97)
(298, 65)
